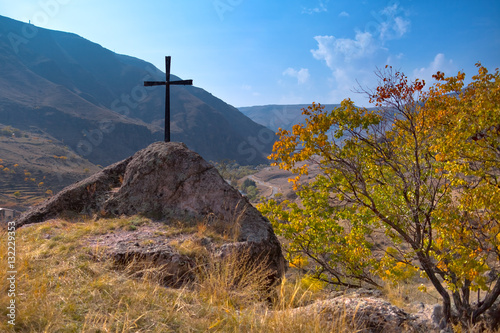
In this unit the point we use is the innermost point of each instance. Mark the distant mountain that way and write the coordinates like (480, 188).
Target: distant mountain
(276, 116)
(93, 101)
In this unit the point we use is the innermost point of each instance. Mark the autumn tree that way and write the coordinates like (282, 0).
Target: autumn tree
(467, 140)
(418, 172)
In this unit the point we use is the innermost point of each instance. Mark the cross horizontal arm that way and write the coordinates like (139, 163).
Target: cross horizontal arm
(182, 82)
(154, 83)
(162, 83)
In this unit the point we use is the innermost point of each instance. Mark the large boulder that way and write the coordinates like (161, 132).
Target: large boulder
(365, 311)
(167, 181)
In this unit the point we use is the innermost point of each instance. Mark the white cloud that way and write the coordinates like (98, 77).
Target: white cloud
(440, 63)
(321, 7)
(392, 21)
(352, 61)
(401, 26)
(302, 75)
(337, 50)
(390, 25)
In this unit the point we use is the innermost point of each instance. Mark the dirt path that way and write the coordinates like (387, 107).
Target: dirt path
(274, 189)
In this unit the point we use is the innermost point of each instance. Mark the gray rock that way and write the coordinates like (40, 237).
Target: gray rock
(371, 314)
(144, 251)
(85, 197)
(167, 181)
(438, 317)
(429, 318)
(374, 315)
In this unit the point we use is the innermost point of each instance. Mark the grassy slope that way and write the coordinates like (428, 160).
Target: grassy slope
(65, 285)
(28, 160)
(62, 287)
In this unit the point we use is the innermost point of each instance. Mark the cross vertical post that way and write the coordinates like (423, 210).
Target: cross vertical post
(167, 99)
(167, 84)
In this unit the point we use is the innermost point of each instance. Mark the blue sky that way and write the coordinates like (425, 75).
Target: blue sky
(255, 52)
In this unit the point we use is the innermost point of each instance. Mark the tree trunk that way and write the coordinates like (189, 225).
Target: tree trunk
(491, 297)
(428, 268)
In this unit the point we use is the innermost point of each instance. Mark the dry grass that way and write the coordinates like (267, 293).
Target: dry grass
(404, 295)
(62, 288)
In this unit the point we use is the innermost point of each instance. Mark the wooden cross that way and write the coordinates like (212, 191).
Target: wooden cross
(167, 84)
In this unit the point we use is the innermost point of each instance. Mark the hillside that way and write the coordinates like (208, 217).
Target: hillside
(93, 101)
(34, 165)
(276, 116)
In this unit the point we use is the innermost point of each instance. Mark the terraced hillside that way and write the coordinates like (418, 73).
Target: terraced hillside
(33, 166)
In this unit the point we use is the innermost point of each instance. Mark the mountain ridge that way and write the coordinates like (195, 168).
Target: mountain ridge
(55, 78)
(275, 116)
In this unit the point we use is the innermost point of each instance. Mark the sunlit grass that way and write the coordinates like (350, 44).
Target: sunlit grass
(64, 285)
(61, 287)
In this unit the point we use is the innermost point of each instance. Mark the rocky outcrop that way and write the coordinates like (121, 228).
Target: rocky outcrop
(145, 250)
(365, 311)
(167, 181)
(430, 317)
(85, 197)
(373, 314)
